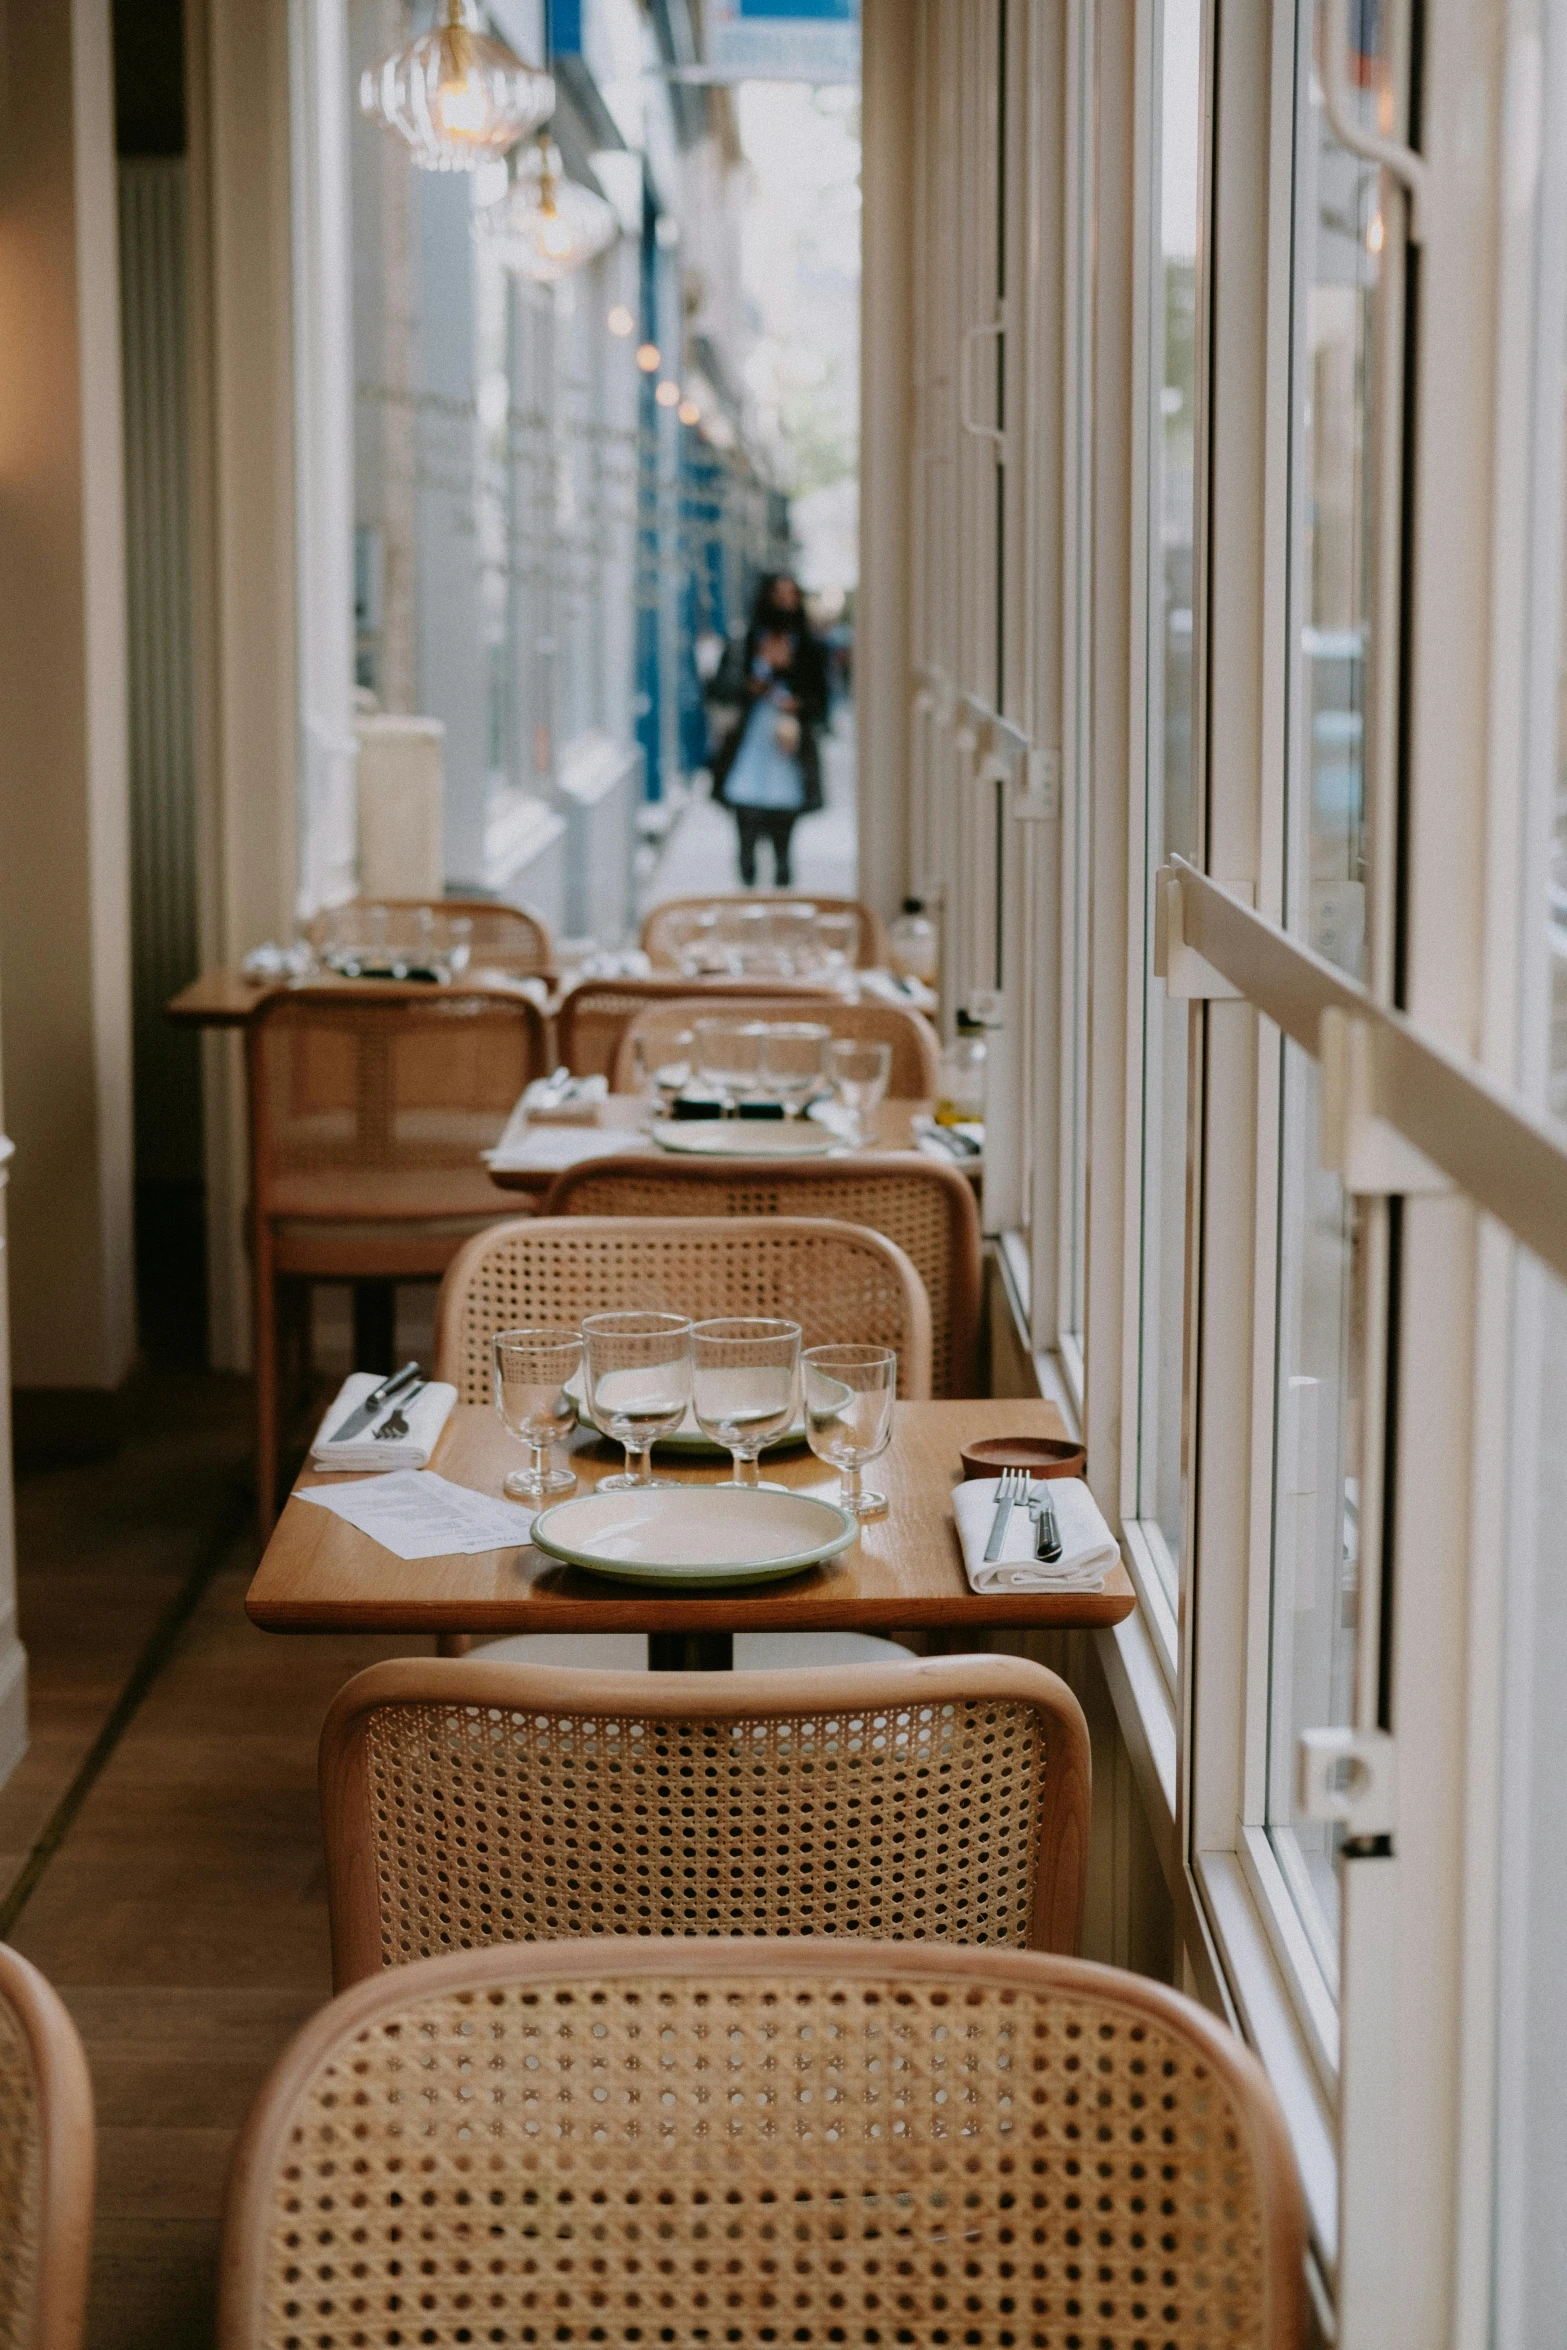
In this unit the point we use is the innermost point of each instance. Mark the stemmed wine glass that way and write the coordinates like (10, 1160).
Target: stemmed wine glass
(859, 1071)
(848, 1415)
(639, 1385)
(793, 1054)
(661, 1062)
(729, 1058)
(531, 1371)
(745, 1377)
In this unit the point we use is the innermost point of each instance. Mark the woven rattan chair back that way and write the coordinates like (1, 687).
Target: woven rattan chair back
(759, 2143)
(503, 938)
(926, 1208)
(467, 1802)
(665, 919)
(46, 2165)
(354, 1083)
(594, 1015)
(838, 1281)
(915, 1047)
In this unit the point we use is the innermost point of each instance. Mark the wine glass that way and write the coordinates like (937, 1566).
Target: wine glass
(859, 1071)
(744, 1377)
(661, 1061)
(729, 1058)
(531, 1371)
(793, 1055)
(837, 944)
(848, 1415)
(639, 1384)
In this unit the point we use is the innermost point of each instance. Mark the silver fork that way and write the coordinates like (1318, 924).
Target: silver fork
(1011, 1488)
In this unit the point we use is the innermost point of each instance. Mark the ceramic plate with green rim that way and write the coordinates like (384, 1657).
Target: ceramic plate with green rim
(742, 1138)
(688, 1537)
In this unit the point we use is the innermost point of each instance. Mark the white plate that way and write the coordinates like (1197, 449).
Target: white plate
(692, 1535)
(690, 1436)
(741, 1138)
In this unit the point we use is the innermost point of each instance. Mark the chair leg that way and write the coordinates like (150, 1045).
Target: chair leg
(264, 1349)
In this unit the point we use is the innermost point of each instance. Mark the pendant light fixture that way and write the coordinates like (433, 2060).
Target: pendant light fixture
(456, 95)
(546, 226)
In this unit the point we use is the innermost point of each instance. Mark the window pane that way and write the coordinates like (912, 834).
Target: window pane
(1338, 241)
(1316, 1486)
(1170, 804)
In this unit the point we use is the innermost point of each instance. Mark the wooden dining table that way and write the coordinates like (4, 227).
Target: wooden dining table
(903, 1573)
(625, 1116)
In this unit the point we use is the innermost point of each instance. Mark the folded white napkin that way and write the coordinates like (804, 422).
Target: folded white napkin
(426, 1416)
(1088, 1547)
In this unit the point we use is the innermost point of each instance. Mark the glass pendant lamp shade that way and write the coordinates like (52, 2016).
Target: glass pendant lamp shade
(546, 225)
(456, 96)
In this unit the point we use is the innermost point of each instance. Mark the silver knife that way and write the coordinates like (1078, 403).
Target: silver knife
(360, 1418)
(998, 1528)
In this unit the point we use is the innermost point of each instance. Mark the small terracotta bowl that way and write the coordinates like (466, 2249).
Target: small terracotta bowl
(1042, 1456)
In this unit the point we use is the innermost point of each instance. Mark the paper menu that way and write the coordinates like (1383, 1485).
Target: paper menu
(416, 1514)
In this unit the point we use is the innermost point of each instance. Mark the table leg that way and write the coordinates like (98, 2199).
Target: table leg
(691, 1652)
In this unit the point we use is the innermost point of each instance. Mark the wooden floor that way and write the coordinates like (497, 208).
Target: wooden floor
(180, 1907)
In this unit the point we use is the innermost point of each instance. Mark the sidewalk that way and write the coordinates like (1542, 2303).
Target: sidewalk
(701, 860)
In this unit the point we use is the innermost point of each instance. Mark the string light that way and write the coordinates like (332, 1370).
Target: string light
(668, 394)
(649, 358)
(455, 95)
(689, 412)
(546, 225)
(620, 320)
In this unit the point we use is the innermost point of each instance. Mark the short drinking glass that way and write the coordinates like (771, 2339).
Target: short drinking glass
(745, 1380)
(849, 1392)
(639, 1385)
(859, 1073)
(531, 1371)
(661, 1061)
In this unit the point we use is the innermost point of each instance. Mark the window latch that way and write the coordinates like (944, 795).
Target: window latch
(1346, 1778)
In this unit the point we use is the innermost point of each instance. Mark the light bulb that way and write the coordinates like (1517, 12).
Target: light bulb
(620, 320)
(668, 394)
(545, 225)
(689, 412)
(455, 95)
(649, 357)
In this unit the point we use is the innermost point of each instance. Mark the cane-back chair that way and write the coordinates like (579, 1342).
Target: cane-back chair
(840, 1282)
(914, 1044)
(502, 938)
(926, 1208)
(368, 1111)
(663, 924)
(593, 1016)
(758, 2143)
(46, 2165)
(467, 1802)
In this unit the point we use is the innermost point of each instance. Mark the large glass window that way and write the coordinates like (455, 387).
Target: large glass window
(1171, 801)
(1323, 1253)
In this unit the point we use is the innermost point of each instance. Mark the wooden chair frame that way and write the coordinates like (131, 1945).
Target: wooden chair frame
(593, 1016)
(371, 1238)
(608, 1261)
(872, 954)
(365, 1850)
(650, 2108)
(815, 1187)
(43, 2070)
(916, 1048)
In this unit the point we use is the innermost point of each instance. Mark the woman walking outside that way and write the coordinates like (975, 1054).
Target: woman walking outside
(768, 770)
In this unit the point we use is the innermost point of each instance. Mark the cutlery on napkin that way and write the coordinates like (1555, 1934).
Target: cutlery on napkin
(1088, 1548)
(425, 1410)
